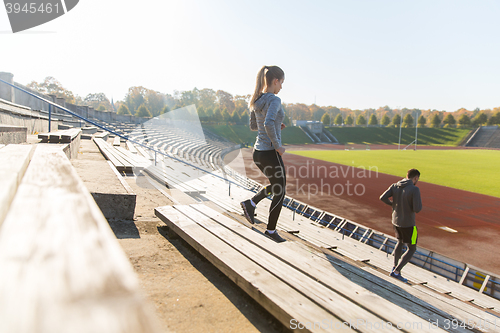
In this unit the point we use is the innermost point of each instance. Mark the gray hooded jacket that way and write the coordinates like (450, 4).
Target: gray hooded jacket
(405, 203)
(266, 118)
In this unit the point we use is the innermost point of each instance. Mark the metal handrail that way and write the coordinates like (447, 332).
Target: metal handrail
(115, 133)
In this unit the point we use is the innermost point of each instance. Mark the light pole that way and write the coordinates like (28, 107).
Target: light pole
(400, 124)
(416, 128)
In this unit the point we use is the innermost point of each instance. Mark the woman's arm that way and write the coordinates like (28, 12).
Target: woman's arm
(269, 122)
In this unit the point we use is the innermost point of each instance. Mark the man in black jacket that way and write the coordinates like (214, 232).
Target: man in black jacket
(405, 203)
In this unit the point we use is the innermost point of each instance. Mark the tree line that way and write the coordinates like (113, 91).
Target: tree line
(435, 120)
(218, 106)
(212, 106)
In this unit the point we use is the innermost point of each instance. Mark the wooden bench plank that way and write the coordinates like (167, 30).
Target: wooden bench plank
(389, 310)
(62, 136)
(452, 288)
(346, 238)
(178, 180)
(133, 160)
(69, 135)
(105, 150)
(62, 268)
(261, 254)
(144, 153)
(15, 160)
(451, 309)
(327, 238)
(407, 296)
(102, 135)
(44, 137)
(282, 301)
(121, 179)
(131, 147)
(422, 304)
(111, 154)
(55, 137)
(462, 311)
(89, 130)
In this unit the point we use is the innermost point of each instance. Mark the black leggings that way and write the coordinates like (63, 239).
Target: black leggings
(271, 164)
(406, 257)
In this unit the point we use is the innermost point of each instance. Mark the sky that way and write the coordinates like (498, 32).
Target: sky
(358, 54)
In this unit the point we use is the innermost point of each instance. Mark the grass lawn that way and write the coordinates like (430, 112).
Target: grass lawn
(357, 135)
(243, 134)
(471, 170)
(389, 136)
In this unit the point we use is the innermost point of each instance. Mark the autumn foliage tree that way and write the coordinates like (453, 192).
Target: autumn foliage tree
(361, 120)
(396, 120)
(385, 120)
(245, 118)
(435, 121)
(165, 109)
(123, 110)
(421, 121)
(449, 120)
(408, 120)
(494, 119)
(142, 112)
(464, 121)
(135, 98)
(96, 100)
(338, 120)
(480, 119)
(225, 101)
(235, 117)
(349, 120)
(325, 119)
(50, 86)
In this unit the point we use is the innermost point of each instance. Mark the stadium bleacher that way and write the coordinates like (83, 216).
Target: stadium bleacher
(59, 256)
(355, 241)
(330, 268)
(485, 136)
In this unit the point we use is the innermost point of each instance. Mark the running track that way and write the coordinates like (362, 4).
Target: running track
(355, 196)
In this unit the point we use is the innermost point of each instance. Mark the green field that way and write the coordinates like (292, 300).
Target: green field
(470, 170)
(243, 134)
(390, 136)
(357, 135)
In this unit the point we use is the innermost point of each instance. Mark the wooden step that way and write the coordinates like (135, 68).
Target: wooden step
(14, 161)
(285, 303)
(204, 228)
(62, 269)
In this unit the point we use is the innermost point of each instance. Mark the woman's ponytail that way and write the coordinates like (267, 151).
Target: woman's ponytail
(259, 86)
(265, 75)
(253, 121)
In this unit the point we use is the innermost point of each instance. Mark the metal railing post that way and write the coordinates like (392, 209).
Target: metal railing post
(50, 116)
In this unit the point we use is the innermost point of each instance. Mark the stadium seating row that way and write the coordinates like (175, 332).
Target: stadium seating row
(350, 240)
(62, 267)
(296, 282)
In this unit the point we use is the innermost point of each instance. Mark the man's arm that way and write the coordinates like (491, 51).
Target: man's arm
(386, 195)
(417, 201)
